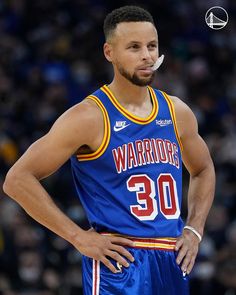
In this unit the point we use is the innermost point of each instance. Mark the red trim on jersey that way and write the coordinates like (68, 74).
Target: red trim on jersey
(165, 243)
(96, 277)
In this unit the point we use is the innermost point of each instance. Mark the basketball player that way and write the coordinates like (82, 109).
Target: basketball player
(126, 142)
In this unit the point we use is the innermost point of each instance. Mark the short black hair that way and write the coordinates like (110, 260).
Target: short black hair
(127, 13)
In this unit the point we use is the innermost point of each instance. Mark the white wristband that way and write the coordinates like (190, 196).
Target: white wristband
(194, 231)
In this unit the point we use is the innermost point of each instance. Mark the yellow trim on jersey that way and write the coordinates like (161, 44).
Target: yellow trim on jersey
(172, 112)
(154, 246)
(106, 136)
(129, 115)
(151, 243)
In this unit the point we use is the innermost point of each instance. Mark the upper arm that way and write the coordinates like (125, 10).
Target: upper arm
(195, 154)
(69, 132)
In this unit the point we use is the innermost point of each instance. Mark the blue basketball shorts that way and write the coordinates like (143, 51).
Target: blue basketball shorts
(154, 272)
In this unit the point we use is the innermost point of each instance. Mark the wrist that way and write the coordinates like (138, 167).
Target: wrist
(194, 231)
(76, 236)
(196, 223)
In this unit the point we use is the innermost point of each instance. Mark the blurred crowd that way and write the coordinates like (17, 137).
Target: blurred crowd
(50, 59)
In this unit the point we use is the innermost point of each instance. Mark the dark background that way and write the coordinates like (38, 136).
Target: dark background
(50, 58)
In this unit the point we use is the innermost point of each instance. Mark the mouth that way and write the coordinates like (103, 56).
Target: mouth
(146, 67)
(146, 70)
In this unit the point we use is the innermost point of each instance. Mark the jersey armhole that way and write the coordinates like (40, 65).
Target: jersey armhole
(106, 136)
(173, 116)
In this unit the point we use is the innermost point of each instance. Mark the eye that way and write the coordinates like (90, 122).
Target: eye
(134, 46)
(152, 46)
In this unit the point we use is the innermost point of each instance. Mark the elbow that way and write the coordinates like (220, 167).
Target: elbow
(8, 182)
(206, 169)
(11, 182)
(210, 168)
(207, 172)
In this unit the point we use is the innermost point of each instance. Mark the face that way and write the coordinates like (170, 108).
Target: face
(132, 49)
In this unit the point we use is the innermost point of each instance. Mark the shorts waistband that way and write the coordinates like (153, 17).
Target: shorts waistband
(166, 243)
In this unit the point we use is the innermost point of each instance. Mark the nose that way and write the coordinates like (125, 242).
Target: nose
(145, 53)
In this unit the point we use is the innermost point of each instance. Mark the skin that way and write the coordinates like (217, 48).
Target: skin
(131, 48)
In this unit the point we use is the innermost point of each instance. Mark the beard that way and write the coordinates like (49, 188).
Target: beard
(134, 79)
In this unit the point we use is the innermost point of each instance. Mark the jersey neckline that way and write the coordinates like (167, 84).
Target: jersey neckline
(128, 114)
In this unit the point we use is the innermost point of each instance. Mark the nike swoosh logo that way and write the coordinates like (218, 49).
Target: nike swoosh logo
(120, 128)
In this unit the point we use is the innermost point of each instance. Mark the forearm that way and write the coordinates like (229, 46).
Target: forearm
(26, 190)
(200, 197)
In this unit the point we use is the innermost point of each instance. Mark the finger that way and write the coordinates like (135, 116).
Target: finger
(186, 261)
(122, 241)
(114, 255)
(179, 244)
(109, 265)
(123, 252)
(181, 254)
(191, 264)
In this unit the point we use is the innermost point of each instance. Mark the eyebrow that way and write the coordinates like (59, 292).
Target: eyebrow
(138, 42)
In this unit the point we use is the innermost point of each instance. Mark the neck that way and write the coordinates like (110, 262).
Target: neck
(128, 93)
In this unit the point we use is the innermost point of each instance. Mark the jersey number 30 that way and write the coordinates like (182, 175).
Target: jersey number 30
(145, 190)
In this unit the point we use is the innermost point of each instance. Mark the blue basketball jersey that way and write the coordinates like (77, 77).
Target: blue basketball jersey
(132, 185)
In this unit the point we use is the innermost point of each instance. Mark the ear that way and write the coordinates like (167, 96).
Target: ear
(107, 49)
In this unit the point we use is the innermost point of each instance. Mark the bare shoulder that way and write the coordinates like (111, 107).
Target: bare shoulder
(186, 120)
(181, 108)
(81, 125)
(195, 153)
(86, 111)
(83, 116)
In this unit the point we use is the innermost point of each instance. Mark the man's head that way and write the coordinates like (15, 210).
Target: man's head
(131, 44)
